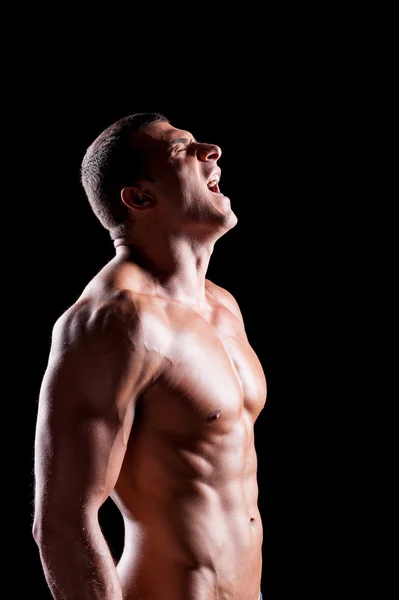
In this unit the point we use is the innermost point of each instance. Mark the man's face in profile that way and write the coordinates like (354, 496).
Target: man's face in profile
(183, 176)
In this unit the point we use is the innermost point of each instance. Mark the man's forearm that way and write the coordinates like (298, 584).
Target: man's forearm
(77, 563)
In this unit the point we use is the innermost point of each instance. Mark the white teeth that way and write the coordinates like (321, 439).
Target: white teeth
(215, 179)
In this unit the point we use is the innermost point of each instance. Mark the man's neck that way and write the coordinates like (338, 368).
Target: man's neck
(177, 270)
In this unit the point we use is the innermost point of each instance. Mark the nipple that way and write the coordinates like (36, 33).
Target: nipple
(215, 415)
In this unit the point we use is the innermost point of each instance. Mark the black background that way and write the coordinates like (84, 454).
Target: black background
(292, 108)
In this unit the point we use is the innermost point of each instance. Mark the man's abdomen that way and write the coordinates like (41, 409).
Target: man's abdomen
(193, 548)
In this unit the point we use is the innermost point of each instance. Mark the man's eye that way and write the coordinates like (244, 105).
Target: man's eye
(179, 149)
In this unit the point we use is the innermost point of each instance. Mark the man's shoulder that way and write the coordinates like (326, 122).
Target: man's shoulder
(98, 344)
(216, 291)
(98, 317)
(223, 297)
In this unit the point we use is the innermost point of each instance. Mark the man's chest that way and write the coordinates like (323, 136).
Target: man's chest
(210, 372)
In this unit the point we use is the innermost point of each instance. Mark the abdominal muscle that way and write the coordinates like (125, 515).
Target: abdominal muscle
(189, 537)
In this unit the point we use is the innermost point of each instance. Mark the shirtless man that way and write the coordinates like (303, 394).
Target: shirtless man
(151, 390)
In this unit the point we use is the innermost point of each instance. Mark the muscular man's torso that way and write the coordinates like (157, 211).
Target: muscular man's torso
(188, 488)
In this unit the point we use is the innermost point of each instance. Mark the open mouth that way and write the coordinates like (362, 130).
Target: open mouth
(213, 184)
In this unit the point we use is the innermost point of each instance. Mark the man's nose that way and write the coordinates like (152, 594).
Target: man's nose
(207, 152)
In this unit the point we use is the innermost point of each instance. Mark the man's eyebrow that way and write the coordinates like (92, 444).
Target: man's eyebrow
(181, 140)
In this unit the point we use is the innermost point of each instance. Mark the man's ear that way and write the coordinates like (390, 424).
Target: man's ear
(136, 199)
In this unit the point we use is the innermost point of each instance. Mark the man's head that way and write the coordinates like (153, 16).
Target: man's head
(109, 164)
(141, 169)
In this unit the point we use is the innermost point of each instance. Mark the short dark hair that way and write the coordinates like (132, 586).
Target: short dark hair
(111, 163)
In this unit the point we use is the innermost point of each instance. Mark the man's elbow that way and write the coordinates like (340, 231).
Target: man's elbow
(55, 528)
(45, 529)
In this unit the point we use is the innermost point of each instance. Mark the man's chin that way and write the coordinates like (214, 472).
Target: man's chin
(223, 207)
(231, 220)
(225, 217)
(216, 212)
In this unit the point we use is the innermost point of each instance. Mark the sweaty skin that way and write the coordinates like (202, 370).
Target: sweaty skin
(152, 401)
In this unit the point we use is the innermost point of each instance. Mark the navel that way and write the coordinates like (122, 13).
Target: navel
(214, 416)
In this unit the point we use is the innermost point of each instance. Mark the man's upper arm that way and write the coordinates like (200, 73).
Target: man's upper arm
(97, 369)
